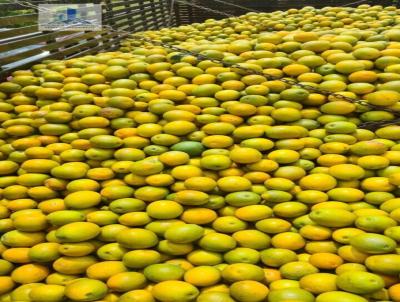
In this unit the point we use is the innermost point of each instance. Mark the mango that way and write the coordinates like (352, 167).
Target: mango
(77, 232)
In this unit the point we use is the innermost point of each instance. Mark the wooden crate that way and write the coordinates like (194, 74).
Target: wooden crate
(22, 44)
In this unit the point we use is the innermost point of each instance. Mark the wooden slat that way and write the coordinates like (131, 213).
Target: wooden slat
(43, 37)
(115, 7)
(73, 48)
(76, 48)
(15, 6)
(15, 32)
(135, 18)
(134, 21)
(122, 3)
(18, 19)
(72, 51)
(128, 12)
(103, 46)
(123, 10)
(75, 39)
(11, 6)
(121, 14)
(126, 23)
(138, 12)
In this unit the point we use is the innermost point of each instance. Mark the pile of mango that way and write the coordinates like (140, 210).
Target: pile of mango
(148, 174)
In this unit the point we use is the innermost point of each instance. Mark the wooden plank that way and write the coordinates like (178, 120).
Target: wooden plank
(126, 22)
(160, 20)
(81, 50)
(135, 18)
(103, 47)
(68, 53)
(43, 37)
(121, 3)
(165, 9)
(153, 13)
(78, 48)
(18, 19)
(131, 15)
(130, 23)
(75, 39)
(142, 15)
(108, 10)
(132, 3)
(140, 12)
(16, 6)
(120, 9)
(152, 19)
(125, 10)
(177, 10)
(15, 32)
(11, 6)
